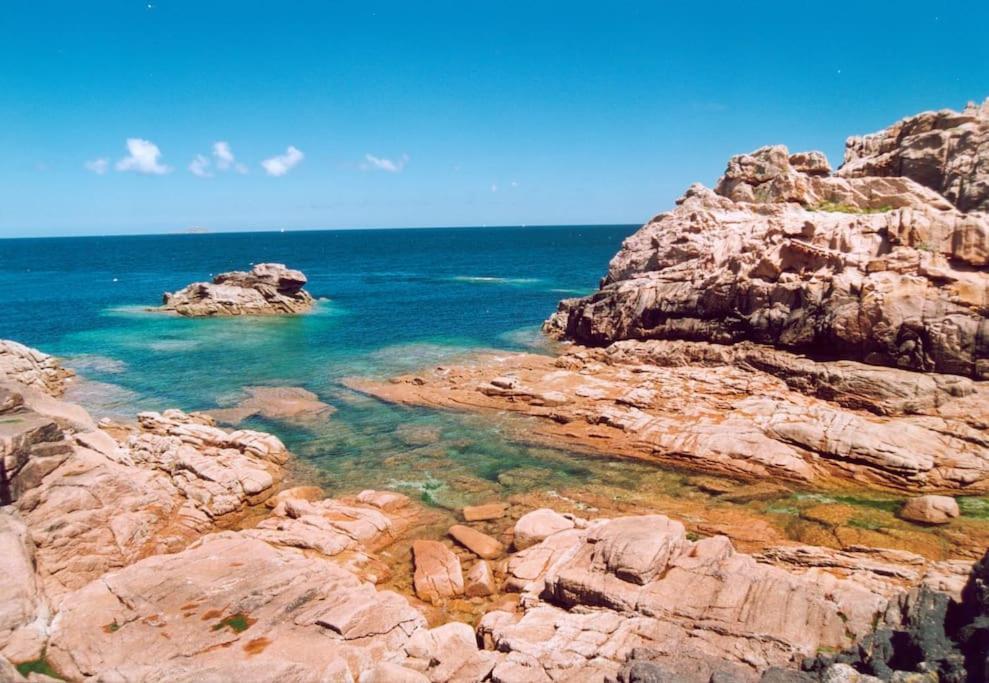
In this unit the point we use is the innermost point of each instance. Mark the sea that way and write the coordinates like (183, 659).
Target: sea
(389, 302)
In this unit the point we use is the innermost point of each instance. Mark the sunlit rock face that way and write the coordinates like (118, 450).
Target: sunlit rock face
(871, 264)
(267, 289)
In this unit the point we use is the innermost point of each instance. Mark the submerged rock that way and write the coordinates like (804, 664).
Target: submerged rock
(267, 289)
(285, 404)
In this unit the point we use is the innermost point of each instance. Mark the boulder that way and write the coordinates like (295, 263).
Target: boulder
(480, 581)
(267, 289)
(477, 542)
(539, 525)
(930, 509)
(437, 571)
(483, 513)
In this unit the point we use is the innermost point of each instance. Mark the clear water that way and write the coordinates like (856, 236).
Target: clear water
(390, 301)
(393, 301)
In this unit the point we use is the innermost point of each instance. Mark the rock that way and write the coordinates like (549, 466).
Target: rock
(387, 672)
(217, 611)
(23, 606)
(389, 501)
(873, 267)
(480, 581)
(478, 543)
(9, 673)
(482, 513)
(32, 368)
(309, 493)
(930, 509)
(287, 404)
(437, 571)
(94, 506)
(449, 653)
(267, 289)
(745, 412)
(945, 150)
(637, 581)
(539, 525)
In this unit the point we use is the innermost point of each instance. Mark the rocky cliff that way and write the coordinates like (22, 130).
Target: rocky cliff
(873, 263)
(267, 289)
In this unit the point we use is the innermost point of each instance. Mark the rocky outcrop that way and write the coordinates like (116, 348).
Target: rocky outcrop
(229, 607)
(267, 289)
(945, 150)
(594, 593)
(871, 267)
(32, 368)
(789, 323)
(745, 411)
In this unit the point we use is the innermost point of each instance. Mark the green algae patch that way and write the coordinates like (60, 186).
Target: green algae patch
(976, 507)
(37, 666)
(238, 623)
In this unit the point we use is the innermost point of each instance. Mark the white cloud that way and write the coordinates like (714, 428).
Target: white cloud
(283, 163)
(98, 166)
(225, 159)
(200, 167)
(143, 158)
(373, 163)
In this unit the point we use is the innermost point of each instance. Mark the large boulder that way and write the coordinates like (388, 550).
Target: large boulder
(930, 509)
(873, 267)
(267, 289)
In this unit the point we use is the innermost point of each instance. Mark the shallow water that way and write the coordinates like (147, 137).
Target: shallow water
(391, 301)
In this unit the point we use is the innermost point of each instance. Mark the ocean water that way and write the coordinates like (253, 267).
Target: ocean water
(390, 301)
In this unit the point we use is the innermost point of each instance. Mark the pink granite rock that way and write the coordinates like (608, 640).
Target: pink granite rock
(267, 289)
(437, 571)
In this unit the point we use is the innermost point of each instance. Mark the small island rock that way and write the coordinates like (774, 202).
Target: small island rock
(267, 289)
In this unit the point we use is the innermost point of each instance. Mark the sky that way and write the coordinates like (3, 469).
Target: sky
(154, 116)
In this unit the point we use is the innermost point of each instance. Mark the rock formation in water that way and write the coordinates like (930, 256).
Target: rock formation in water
(744, 410)
(267, 289)
(871, 264)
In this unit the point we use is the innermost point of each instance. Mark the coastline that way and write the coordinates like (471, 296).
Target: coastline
(805, 535)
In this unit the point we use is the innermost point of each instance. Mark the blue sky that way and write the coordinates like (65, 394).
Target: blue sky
(439, 113)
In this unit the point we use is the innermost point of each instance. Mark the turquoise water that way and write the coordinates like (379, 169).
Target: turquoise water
(390, 301)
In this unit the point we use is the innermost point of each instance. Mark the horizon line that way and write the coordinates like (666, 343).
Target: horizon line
(192, 232)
